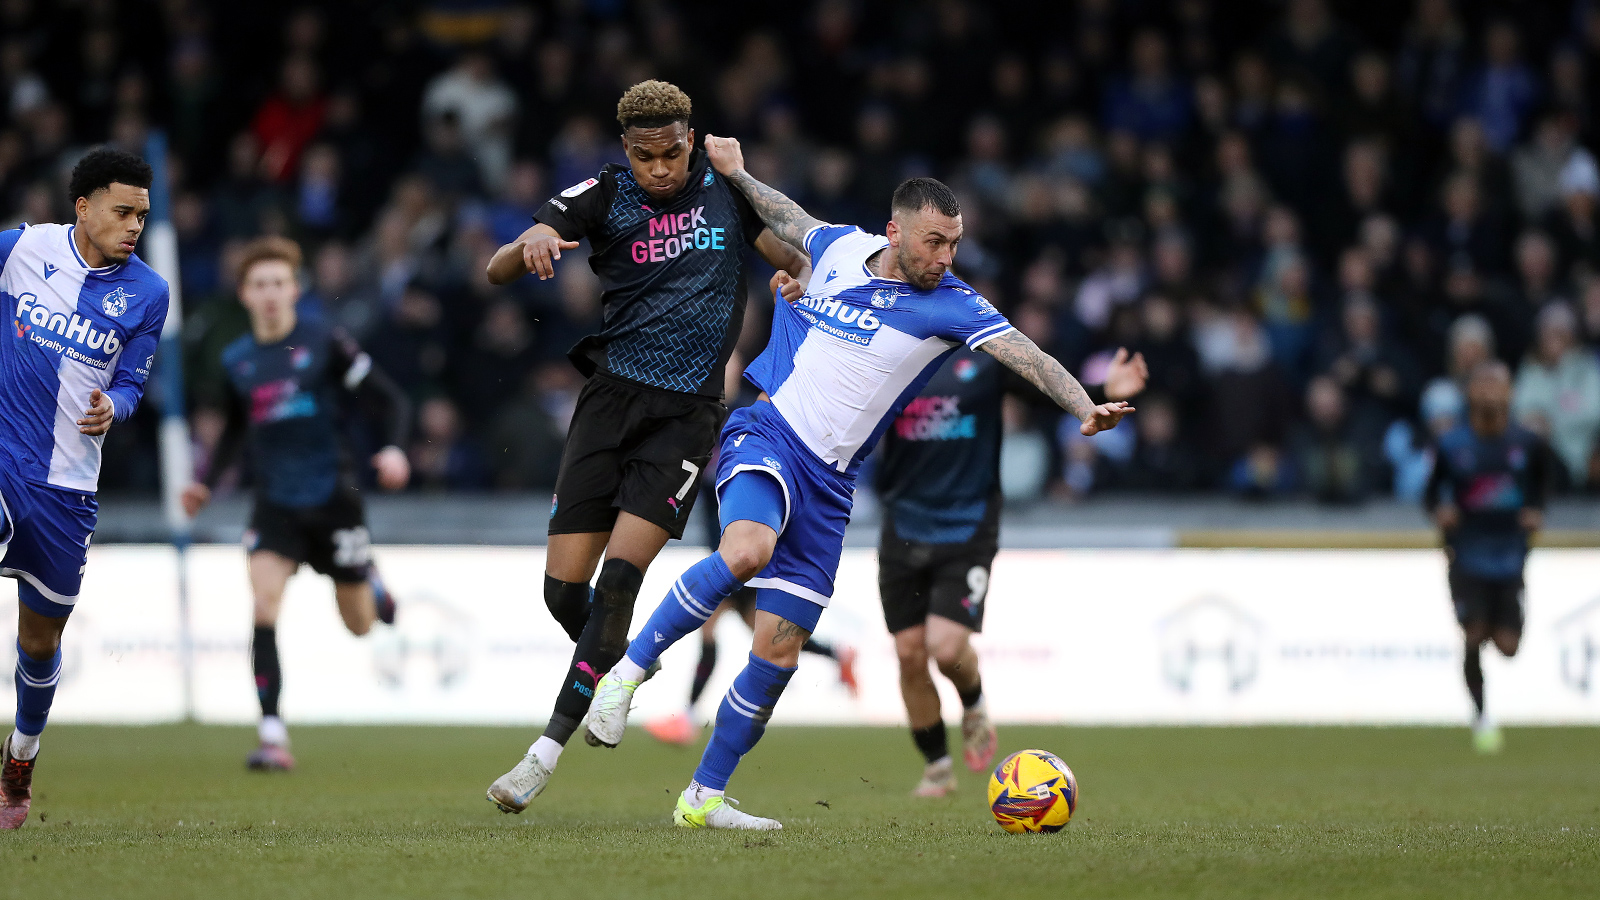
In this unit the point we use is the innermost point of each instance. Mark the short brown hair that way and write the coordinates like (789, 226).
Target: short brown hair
(271, 247)
(653, 104)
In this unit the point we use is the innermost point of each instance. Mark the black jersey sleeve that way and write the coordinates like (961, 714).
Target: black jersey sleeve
(1540, 471)
(1433, 494)
(353, 370)
(234, 431)
(579, 210)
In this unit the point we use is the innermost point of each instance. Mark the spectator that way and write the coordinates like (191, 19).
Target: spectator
(1503, 91)
(446, 164)
(442, 457)
(495, 365)
(1537, 165)
(1575, 226)
(1557, 392)
(1432, 63)
(1335, 455)
(1376, 375)
(289, 119)
(525, 438)
(1149, 102)
(1409, 450)
(1313, 46)
(484, 108)
(1162, 461)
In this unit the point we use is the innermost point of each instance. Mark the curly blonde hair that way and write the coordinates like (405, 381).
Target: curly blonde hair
(653, 104)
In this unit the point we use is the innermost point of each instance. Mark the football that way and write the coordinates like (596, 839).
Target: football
(1032, 790)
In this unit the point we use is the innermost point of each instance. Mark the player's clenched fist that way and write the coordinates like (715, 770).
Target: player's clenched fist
(724, 154)
(785, 284)
(97, 418)
(394, 470)
(195, 498)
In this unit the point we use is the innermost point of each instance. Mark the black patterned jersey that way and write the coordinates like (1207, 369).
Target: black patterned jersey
(670, 275)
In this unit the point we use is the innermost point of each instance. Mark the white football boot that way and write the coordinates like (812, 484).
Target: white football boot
(514, 790)
(719, 812)
(608, 713)
(938, 779)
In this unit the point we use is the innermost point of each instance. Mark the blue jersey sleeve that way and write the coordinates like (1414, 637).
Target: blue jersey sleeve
(8, 242)
(133, 366)
(820, 238)
(967, 317)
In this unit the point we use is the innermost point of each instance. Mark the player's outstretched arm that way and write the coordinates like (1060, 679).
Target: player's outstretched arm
(793, 265)
(534, 251)
(1021, 355)
(783, 217)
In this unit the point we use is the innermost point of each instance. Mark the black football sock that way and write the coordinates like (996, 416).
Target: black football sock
(971, 697)
(703, 670)
(1473, 669)
(569, 604)
(932, 742)
(602, 642)
(812, 645)
(264, 659)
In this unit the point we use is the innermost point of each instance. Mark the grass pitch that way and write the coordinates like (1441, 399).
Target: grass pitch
(169, 812)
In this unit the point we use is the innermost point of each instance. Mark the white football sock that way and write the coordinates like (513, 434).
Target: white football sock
(273, 731)
(547, 750)
(24, 746)
(628, 670)
(697, 794)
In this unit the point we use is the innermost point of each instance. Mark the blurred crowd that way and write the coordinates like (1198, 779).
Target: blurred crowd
(1311, 217)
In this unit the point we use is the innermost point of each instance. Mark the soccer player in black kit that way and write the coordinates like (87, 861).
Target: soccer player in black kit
(286, 381)
(1487, 497)
(939, 481)
(667, 237)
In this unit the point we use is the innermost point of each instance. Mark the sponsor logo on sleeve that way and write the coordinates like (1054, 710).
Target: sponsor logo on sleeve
(580, 187)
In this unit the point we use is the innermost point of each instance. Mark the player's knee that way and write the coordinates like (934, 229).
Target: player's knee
(38, 635)
(745, 557)
(947, 653)
(1474, 633)
(614, 594)
(913, 655)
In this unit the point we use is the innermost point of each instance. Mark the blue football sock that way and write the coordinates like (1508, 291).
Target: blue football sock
(692, 600)
(36, 689)
(741, 720)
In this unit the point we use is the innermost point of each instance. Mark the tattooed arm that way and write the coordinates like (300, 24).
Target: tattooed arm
(1023, 356)
(782, 216)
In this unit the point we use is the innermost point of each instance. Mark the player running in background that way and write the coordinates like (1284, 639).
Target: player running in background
(286, 380)
(86, 315)
(1487, 497)
(877, 319)
(667, 239)
(938, 477)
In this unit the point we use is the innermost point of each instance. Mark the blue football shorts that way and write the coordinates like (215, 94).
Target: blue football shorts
(797, 582)
(45, 541)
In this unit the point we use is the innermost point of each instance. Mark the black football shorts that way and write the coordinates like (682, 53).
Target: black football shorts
(332, 537)
(916, 580)
(633, 448)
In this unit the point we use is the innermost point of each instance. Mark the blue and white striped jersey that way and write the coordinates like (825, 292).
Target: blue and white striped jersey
(73, 329)
(845, 358)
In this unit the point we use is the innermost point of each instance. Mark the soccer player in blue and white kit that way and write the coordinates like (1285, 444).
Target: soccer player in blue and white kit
(86, 315)
(879, 315)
